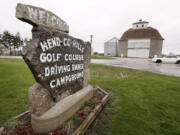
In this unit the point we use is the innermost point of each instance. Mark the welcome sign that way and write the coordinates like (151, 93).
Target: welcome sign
(57, 60)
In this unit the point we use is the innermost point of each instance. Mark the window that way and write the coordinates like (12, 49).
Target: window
(171, 56)
(142, 25)
(137, 26)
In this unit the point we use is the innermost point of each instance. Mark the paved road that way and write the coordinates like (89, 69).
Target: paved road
(12, 57)
(142, 64)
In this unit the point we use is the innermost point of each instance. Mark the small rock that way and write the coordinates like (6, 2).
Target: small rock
(39, 99)
(1, 130)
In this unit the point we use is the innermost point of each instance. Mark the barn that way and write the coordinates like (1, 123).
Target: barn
(141, 41)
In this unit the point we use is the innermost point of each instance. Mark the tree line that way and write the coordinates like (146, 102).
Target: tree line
(12, 42)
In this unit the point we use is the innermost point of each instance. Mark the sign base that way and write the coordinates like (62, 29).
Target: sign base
(61, 112)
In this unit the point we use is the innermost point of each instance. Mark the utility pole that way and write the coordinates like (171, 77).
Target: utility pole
(91, 39)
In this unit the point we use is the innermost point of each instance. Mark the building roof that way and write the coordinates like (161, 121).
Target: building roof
(148, 32)
(140, 21)
(112, 39)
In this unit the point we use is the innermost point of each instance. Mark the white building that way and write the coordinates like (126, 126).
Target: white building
(141, 41)
(4, 50)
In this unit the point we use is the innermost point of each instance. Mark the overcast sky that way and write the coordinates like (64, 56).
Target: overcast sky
(102, 18)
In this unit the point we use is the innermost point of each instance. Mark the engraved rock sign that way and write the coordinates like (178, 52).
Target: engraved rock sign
(40, 17)
(59, 62)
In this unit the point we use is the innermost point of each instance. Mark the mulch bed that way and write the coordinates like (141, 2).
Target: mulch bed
(22, 125)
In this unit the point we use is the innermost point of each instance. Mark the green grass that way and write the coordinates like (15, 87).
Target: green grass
(5, 55)
(142, 103)
(102, 57)
(15, 79)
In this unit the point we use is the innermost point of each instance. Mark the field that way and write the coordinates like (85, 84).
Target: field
(141, 103)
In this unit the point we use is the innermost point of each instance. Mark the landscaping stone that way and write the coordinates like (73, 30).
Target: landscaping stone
(37, 106)
(1, 130)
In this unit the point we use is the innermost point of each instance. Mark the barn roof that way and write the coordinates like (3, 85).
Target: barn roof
(148, 32)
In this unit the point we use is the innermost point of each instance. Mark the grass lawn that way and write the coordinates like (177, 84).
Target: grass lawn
(15, 79)
(142, 103)
(102, 57)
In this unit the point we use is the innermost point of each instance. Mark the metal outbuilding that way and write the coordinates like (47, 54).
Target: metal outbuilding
(111, 47)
